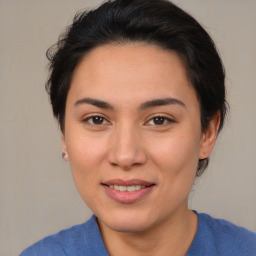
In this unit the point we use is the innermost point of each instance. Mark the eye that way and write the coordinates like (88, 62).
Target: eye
(95, 120)
(159, 121)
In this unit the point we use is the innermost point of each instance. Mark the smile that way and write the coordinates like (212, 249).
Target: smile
(127, 188)
(127, 191)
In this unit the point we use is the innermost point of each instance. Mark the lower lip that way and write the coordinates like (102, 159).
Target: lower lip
(128, 197)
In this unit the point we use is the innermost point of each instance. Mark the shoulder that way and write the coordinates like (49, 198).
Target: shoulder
(226, 229)
(71, 241)
(224, 237)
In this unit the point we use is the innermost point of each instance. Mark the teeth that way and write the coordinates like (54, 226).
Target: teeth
(131, 188)
(122, 188)
(127, 188)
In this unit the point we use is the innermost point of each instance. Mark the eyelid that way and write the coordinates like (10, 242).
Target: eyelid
(168, 118)
(88, 117)
(107, 122)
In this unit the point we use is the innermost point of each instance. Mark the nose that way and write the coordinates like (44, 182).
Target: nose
(126, 148)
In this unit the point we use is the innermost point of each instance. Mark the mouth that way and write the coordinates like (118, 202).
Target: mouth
(127, 188)
(127, 191)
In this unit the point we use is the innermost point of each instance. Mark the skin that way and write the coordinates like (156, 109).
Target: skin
(128, 143)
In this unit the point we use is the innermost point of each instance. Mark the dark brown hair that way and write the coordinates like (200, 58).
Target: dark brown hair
(155, 22)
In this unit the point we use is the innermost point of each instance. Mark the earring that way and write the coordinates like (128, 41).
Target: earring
(64, 156)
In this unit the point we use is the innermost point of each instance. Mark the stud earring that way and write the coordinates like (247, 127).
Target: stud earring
(64, 156)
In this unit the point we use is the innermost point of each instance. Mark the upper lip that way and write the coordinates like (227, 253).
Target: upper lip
(131, 182)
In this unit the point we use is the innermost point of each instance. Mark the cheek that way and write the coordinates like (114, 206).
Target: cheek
(86, 154)
(86, 149)
(176, 155)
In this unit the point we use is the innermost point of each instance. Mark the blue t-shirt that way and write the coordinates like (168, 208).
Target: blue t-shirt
(213, 237)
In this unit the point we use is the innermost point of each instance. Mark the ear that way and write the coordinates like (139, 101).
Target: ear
(64, 148)
(209, 137)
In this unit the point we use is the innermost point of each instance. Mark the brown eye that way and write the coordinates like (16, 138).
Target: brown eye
(95, 120)
(159, 120)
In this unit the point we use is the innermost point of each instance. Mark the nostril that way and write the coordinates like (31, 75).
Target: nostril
(126, 152)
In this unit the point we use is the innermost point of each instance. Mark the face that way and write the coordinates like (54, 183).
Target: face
(133, 135)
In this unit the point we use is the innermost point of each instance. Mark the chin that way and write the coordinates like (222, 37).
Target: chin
(128, 222)
(127, 227)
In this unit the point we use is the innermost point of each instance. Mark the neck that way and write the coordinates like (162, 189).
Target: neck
(171, 237)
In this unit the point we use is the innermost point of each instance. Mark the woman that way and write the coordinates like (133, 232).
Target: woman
(137, 87)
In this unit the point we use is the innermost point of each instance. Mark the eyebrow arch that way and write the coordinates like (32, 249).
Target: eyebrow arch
(143, 106)
(160, 102)
(95, 102)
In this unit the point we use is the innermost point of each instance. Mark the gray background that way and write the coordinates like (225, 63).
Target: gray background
(37, 194)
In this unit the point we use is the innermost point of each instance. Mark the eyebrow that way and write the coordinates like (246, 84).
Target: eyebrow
(143, 106)
(161, 102)
(94, 102)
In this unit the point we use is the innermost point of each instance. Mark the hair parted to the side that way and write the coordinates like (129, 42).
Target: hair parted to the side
(155, 22)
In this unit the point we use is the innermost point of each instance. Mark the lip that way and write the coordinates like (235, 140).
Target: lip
(132, 182)
(128, 197)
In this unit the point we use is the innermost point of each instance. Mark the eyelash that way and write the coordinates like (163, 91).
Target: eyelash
(86, 120)
(165, 119)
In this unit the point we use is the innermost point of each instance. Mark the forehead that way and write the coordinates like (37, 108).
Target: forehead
(130, 71)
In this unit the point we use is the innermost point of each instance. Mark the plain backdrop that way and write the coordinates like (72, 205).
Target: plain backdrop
(37, 194)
